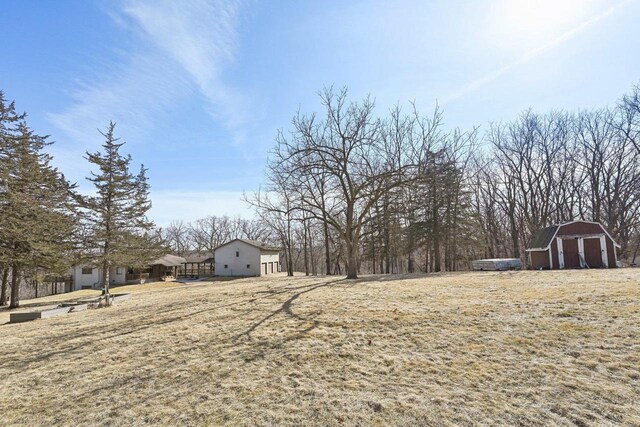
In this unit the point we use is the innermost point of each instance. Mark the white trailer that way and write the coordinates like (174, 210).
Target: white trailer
(497, 264)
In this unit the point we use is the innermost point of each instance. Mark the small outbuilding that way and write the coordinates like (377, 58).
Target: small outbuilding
(575, 244)
(244, 257)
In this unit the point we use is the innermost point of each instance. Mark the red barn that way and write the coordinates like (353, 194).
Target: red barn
(576, 244)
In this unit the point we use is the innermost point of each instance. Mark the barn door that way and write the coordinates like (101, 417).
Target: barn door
(570, 252)
(593, 252)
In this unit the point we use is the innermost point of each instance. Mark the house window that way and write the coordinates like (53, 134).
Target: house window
(237, 254)
(225, 266)
(87, 270)
(119, 271)
(248, 265)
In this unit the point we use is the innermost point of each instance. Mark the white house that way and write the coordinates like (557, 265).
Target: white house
(86, 276)
(243, 257)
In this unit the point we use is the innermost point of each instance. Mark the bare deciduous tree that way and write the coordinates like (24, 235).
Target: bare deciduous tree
(339, 167)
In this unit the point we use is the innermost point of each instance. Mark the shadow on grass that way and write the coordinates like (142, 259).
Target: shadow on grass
(51, 304)
(174, 313)
(285, 308)
(392, 277)
(259, 349)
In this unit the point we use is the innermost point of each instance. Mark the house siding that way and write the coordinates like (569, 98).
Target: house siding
(555, 255)
(95, 278)
(579, 228)
(237, 265)
(260, 262)
(271, 261)
(85, 280)
(539, 259)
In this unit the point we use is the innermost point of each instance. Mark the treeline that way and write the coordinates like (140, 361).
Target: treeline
(348, 191)
(544, 169)
(46, 225)
(202, 236)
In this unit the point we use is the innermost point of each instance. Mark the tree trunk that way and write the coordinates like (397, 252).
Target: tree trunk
(386, 236)
(373, 252)
(387, 252)
(289, 249)
(15, 286)
(313, 259)
(352, 243)
(105, 282)
(635, 253)
(327, 249)
(290, 262)
(514, 237)
(3, 291)
(304, 243)
(426, 260)
(435, 259)
(352, 259)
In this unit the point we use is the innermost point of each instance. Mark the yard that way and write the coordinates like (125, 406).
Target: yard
(513, 348)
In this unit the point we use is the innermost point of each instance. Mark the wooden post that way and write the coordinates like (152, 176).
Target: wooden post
(603, 251)
(581, 252)
(560, 252)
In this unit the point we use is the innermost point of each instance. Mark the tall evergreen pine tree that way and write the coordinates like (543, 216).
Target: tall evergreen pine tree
(37, 210)
(119, 228)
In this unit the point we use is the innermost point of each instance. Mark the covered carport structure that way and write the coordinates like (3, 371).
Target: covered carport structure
(165, 267)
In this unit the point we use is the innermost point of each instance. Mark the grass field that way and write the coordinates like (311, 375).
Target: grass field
(514, 348)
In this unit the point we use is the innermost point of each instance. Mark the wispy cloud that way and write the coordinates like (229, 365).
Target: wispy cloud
(531, 55)
(201, 36)
(178, 49)
(132, 92)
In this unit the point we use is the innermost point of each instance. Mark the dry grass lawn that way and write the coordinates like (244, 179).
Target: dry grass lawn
(514, 348)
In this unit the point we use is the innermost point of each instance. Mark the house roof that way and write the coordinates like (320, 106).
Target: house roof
(199, 258)
(541, 240)
(169, 261)
(255, 243)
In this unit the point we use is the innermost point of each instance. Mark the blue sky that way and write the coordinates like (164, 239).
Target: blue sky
(198, 88)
